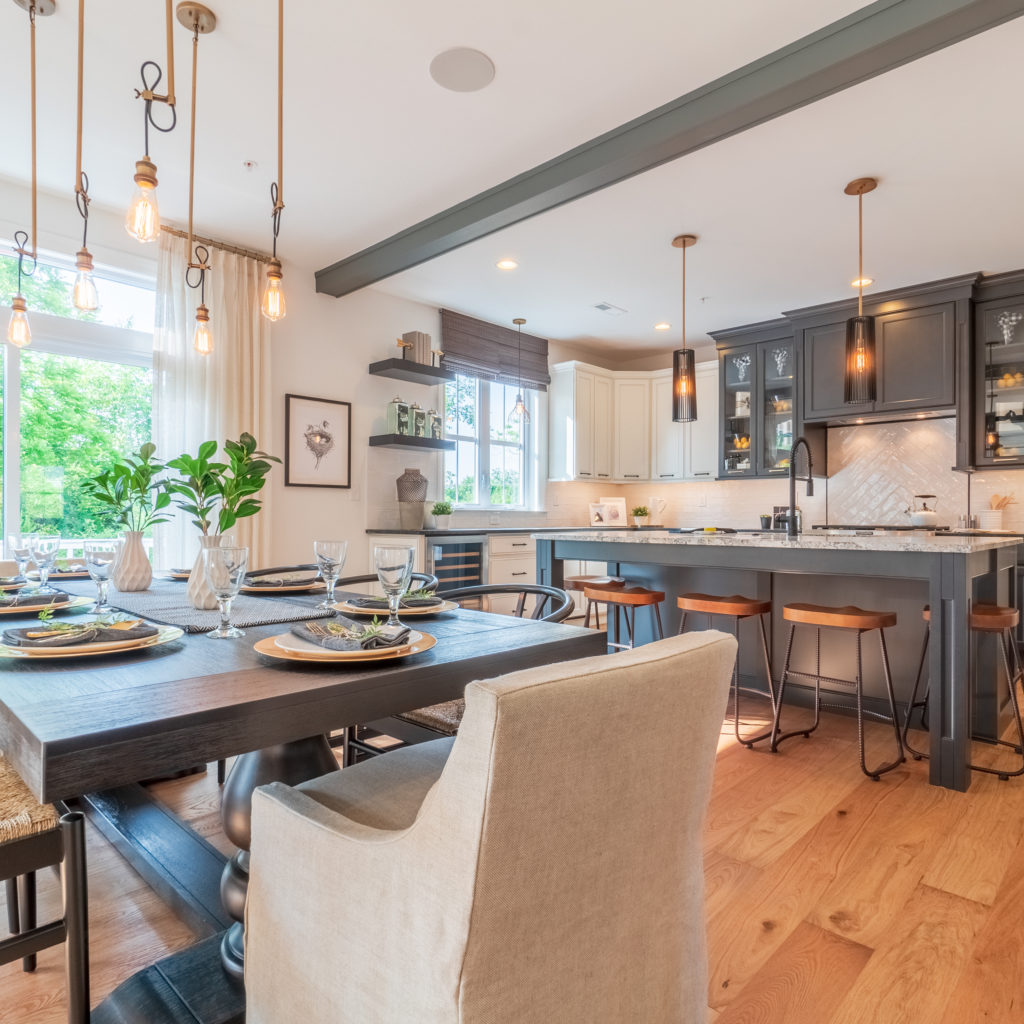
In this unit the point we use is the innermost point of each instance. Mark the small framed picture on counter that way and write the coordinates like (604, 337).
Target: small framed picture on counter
(615, 511)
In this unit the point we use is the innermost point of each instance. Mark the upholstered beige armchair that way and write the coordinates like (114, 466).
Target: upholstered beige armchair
(543, 867)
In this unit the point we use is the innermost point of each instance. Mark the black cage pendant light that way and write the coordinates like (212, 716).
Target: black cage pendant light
(684, 374)
(859, 374)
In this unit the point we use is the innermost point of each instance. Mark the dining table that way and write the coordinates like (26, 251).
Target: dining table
(88, 729)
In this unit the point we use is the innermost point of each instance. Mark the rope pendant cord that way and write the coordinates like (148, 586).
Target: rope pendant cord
(860, 254)
(192, 141)
(32, 23)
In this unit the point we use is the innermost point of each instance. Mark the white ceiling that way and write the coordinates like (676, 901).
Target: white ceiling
(373, 145)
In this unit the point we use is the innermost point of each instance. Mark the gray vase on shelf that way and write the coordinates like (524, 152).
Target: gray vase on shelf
(412, 499)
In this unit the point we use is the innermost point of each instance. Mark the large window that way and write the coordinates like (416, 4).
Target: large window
(80, 394)
(493, 464)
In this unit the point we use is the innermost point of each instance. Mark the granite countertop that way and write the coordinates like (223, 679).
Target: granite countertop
(819, 540)
(466, 531)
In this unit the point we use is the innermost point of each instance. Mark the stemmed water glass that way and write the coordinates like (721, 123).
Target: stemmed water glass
(20, 547)
(100, 556)
(330, 557)
(44, 553)
(225, 572)
(394, 569)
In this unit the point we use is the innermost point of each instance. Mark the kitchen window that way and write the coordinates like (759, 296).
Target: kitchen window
(494, 464)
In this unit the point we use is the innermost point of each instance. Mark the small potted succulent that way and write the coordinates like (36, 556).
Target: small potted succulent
(641, 515)
(442, 513)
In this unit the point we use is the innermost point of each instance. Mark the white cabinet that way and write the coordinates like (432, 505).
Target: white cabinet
(632, 452)
(580, 423)
(668, 438)
(512, 558)
(702, 434)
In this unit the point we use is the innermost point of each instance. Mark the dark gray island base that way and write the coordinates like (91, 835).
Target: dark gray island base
(893, 572)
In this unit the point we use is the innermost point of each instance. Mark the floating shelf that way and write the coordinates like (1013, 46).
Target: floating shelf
(412, 444)
(414, 373)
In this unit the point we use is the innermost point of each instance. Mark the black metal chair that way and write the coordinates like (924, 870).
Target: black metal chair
(35, 836)
(444, 719)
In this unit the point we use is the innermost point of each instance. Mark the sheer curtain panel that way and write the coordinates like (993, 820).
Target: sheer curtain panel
(202, 398)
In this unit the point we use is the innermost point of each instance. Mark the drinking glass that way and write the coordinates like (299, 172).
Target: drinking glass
(394, 568)
(330, 557)
(100, 556)
(20, 547)
(225, 571)
(44, 553)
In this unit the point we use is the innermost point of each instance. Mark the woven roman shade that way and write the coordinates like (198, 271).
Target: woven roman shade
(479, 349)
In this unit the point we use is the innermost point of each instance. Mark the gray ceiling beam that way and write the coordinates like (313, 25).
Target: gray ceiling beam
(869, 42)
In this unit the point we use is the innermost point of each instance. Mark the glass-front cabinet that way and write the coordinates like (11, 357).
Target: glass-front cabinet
(1000, 354)
(758, 408)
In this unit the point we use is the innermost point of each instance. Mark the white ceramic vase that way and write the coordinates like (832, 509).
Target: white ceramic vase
(640, 520)
(200, 595)
(442, 522)
(132, 570)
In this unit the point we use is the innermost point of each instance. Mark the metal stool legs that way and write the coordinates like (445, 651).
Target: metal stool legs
(858, 683)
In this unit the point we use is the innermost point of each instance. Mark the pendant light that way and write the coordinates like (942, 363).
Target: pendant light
(83, 294)
(273, 304)
(684, 373)
(19, 333)
(519, 410)
(201, 21)
(143, 218)
(859, 375)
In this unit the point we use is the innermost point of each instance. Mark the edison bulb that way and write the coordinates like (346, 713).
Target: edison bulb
(143, 218)
(519, 410)
(273, 304)
(202, 339)
(84, 294)
(18, 331)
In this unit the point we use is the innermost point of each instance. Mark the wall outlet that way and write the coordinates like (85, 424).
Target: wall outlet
(702, 499)
(494, 519)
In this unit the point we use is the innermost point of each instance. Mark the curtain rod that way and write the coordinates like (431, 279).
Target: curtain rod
(224, 246)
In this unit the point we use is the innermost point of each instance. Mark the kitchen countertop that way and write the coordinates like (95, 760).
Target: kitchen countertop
(819, 540)
(473, 531)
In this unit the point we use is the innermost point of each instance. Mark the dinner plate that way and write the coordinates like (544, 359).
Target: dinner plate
(56, 574)
(354, 609)
(175, 574)
(164, 636)
(270, 647)
(13, 585)
(286, 588)
(75, 602)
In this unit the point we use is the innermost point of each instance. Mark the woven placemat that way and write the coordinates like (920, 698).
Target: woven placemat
(165, 602)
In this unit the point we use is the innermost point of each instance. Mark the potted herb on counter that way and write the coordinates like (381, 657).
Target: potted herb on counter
(641, 515)
(442, 513)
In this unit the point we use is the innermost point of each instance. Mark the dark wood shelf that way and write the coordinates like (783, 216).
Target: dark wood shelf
(412, 444)
(414, 373)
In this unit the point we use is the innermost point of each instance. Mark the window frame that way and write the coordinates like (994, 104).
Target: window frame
(528, 446)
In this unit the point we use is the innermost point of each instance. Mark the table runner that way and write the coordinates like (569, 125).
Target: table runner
(166, 602)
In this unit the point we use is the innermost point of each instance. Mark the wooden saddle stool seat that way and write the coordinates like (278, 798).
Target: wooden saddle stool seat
(628, 599)
(856, 620)
(580, 584)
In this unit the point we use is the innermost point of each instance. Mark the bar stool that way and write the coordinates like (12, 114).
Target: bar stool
(997, 620)
(735, 608)
(628, 599)
(33, 837)
(848, 618)
(581, 582)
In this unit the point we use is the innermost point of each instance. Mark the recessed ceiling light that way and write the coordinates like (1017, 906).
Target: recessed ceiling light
(860, 421)
(506, 264)
(662, 326)
(861, 282)
(462, 69)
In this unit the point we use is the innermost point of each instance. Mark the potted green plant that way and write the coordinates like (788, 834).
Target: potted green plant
(641, 514)
(135, 499)
(442, 513)
(217, 494)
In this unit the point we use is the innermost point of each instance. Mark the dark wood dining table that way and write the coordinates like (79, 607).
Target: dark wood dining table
(89, 729)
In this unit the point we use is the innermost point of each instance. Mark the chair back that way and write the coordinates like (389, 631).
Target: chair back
(558, 603)
(585, 853)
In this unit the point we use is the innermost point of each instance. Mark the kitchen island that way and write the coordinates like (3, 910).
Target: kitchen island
(900, 572)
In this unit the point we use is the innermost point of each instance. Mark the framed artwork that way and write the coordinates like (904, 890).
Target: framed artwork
(615, 511)
(317, 442)
(598, 514)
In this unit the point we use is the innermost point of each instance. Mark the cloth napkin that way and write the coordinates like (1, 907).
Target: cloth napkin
(87, 633)
(391, 636)
(32, 599)
(284, 579)
(406, 602)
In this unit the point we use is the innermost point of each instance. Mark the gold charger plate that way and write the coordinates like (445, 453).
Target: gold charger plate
(165, 636)
(75, 602)
(56, 574)
(13, 586)
(268, 646)
(354, 609)
(177, 575)
(286, 588)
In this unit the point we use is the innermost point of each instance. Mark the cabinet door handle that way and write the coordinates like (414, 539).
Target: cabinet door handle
(705, 473)
(631, 476)
(519, 543)
(519, 574)
(663, 475)
(603, 474)
(581, 473)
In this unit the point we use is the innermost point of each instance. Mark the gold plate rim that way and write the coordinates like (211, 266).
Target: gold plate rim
(267, 646)
(344, 606)
(165, 636)
(286, 588)
(75, 602)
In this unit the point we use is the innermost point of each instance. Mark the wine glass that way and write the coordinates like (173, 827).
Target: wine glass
(100, 556)
(394, 568)
(225, 571)
(44, 553)
(20, 547)
(330, 557)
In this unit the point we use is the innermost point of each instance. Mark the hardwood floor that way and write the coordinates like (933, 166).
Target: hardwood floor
(832, 899)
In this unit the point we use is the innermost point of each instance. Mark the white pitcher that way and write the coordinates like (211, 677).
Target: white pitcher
(656, 507)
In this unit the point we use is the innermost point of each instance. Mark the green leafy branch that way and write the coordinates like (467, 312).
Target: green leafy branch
(130, 491)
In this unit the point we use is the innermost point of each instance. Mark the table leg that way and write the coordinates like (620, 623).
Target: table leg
(290, 763)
